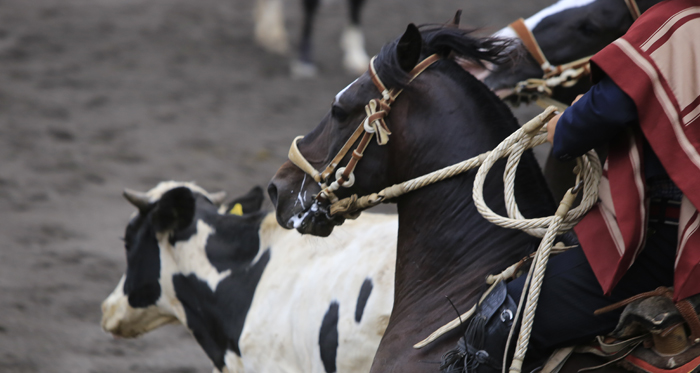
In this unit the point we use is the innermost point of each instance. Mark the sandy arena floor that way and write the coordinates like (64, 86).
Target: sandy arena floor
(99, 95)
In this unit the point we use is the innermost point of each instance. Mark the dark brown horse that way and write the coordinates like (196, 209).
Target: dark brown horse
(445, 248)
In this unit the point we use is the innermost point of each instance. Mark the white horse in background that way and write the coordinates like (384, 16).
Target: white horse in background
(271, 34)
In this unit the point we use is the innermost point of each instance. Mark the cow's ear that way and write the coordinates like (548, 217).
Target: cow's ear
(409, 48)
(174, 210)
(249, 203)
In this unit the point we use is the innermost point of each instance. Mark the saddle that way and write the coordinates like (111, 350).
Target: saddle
(654, 335)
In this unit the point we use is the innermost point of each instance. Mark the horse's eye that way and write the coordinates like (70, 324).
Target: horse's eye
(338, 113)
(588, 28)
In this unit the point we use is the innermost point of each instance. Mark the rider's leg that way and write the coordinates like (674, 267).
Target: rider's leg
(569, 296)
(570, 293)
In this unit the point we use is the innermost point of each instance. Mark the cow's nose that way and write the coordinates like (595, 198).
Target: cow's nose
(272, 192)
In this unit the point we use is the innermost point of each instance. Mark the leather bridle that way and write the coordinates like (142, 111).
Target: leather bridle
(377, 109)
(530, 43)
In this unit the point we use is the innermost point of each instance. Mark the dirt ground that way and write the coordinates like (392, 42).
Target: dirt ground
(99, 95)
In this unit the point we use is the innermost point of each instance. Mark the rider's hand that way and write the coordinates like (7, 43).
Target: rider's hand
(551, 127)
(552, 124)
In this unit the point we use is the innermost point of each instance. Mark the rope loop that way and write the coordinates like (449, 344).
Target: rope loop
(532, 134)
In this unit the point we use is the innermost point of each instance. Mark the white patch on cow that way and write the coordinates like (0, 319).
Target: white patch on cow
(352, 42)
(168, 299)
(191, 256)
(289, 304)
(234, 363)
(533, 21)
(340, 94)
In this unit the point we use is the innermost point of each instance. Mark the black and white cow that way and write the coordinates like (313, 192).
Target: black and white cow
(258, 298)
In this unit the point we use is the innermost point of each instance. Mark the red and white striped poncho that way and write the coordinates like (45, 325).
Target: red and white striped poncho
(657, 63)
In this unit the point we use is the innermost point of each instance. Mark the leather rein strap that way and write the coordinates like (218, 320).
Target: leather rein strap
(634, 8)
(534, 49)
(531, 44)
(376, 110)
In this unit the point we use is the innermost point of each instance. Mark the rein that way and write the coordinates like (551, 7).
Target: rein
(374, 123)
(565, 75)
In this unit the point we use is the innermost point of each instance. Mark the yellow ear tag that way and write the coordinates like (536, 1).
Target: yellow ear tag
(237, 209)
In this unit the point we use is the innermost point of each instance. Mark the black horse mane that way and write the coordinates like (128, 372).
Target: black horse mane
(446, 41)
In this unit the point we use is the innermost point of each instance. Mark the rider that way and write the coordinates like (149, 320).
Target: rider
(642, 234)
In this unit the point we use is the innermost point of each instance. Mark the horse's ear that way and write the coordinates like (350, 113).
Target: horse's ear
(455, 20)
(409, 47)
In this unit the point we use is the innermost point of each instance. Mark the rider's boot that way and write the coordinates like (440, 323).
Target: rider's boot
(481, 348)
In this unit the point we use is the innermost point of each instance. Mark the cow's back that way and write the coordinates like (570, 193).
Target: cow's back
(314, 286)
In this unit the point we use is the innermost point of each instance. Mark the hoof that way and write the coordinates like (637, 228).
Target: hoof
(356, 59)
(270, 32)
(302, 70)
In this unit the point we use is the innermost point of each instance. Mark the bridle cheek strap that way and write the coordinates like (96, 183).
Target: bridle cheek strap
(374, 123)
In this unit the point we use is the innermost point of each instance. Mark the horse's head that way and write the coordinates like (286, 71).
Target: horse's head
(566, 31)
(418, 119)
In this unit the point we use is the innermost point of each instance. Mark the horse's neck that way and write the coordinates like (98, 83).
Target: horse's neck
(445, 246)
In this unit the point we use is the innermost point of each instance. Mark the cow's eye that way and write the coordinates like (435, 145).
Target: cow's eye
(338, 113)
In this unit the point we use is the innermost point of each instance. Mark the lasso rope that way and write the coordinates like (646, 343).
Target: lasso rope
(589, 171)
(531, 134)
(528, 136)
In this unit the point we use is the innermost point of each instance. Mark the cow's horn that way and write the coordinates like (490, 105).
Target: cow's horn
(138, 199)
(217, 198)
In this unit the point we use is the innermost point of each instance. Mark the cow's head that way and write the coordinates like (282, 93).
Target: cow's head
(145, 297)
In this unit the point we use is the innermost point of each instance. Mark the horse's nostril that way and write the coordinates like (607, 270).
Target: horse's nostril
(272, 192)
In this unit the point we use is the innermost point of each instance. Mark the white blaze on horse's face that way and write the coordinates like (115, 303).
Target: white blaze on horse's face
(533, 21)
(340, 94)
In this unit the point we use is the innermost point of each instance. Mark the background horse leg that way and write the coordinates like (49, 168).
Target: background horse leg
(352, 41)
(304, 66)
(270, 32)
